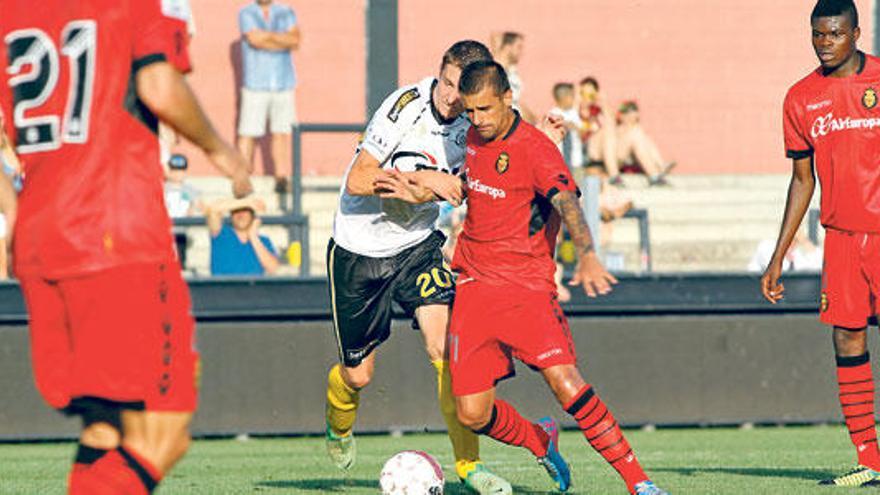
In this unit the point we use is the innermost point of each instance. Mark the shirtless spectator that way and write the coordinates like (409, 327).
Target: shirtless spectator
(598, 135)
(636, 148)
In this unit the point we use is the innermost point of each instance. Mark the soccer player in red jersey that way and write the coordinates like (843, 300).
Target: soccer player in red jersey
(832, 124)
(112, 339)
(518, 190)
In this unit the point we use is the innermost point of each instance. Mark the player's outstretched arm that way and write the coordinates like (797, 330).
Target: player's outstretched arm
(800, 191)
(589, 271)
(164, 91)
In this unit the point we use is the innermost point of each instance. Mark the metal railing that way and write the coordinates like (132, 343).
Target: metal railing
(641, 215)
(296, 178)
(813, 225)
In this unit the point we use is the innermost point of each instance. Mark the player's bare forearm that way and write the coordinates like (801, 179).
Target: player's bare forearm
(165, 92)
(569, 208)
(800, 192)
(440, 185)
(363, 175)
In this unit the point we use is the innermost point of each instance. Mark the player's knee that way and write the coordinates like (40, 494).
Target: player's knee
(101, 422)
(358, 379)
(179, 446)
(850, 341)
(473, 417)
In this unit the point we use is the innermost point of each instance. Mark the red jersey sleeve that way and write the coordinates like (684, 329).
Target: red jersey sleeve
(550, 174)
(160, 33)
(796, 144)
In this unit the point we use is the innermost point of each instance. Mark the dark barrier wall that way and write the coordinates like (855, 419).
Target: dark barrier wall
(269, 377)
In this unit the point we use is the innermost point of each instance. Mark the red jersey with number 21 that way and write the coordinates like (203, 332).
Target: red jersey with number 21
(509, 234)
(837, 122)
(92, 196)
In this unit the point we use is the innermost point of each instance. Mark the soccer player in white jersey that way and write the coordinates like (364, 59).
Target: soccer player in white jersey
(387, 249)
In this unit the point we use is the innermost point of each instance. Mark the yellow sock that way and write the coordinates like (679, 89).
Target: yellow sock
(465, 443)
(342, 403)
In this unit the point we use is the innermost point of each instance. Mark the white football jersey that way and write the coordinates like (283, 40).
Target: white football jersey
(405, 133)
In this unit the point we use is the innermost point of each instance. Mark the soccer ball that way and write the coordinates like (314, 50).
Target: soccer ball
(411, 472)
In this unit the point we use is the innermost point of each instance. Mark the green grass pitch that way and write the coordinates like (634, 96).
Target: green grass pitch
(714, 461)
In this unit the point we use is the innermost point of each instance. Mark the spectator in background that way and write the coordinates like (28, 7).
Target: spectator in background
(571, 146)
(269, 33)
(239, 249)
(7, 221)
(636, 148)
(802, 255)
(10, 182)
(507, 48)
(599, 136)
(181, 200)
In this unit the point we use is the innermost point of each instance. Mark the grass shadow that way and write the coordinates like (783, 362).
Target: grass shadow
(340, 485)
(322, 485)
(791, 473)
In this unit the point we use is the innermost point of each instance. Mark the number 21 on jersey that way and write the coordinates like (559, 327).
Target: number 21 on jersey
(34, 67)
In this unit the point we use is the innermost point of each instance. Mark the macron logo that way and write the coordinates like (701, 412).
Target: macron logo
(476, 186)
(471, 151)
(816, 106)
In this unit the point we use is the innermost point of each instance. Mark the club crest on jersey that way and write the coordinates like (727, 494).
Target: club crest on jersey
(502, 163)
(402, 101)
(869, 99)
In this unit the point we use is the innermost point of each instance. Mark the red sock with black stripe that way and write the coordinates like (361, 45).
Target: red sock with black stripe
(507, 426)
(856, 392)
(604, 435)
(119, 472)
(85, 457)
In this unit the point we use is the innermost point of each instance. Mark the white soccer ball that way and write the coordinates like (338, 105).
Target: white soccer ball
(411, 472)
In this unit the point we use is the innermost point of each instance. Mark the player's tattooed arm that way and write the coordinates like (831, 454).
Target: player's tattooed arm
(569, 208)
(589, 271)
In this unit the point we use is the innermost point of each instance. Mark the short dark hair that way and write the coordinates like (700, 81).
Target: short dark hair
(510, 37)
(833, 8)
(558, 88)
(590, 80)
(464, 53)
(477, 75)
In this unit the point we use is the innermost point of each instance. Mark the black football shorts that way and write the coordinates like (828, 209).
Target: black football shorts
(362, 290)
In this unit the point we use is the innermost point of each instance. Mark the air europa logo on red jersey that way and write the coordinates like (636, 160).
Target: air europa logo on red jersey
(826, 124)
(476, 186)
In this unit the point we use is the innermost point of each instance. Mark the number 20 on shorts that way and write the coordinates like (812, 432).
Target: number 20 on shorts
(440, 279)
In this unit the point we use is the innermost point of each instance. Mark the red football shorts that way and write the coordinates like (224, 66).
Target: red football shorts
(125, 334)
(850, 278)
(491, 325)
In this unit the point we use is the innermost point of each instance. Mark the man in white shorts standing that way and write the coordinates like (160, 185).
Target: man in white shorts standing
(270, 33)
